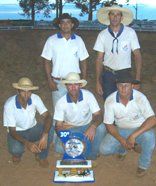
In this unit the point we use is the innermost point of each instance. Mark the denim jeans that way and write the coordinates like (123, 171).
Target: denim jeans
(110, 145)
(108, 83)
(33, 134)
(56, 95)
(100, 133)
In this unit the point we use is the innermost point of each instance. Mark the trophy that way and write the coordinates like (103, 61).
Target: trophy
(74, 167)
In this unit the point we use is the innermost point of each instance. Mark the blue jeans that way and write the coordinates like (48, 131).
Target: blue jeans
(100, 133)
(110, 145)
(33, 134)
(56, 95)
(108, 83)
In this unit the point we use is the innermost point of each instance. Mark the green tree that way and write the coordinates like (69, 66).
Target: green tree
(31, 7)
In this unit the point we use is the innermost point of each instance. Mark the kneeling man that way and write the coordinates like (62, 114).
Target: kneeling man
(129, 120)
(78, 111)
(19, 118)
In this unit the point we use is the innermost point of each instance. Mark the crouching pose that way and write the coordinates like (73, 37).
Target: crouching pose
(134, 119)
(19, 118)
(78, 111)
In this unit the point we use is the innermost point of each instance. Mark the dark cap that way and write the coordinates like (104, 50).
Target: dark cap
(125, 76)
(57, 21)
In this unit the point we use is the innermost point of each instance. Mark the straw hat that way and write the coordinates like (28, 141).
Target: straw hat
(103, 17)
(73, 78)
(25, 84)
(57, 21)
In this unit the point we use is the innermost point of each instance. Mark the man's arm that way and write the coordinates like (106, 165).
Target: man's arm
(96, 121)
(99, 70)
(48, 70)
(47, 125)
(147, 125)
(114, 132)
(83, 67)
(31, 146)
(138, 63)
(61, 125)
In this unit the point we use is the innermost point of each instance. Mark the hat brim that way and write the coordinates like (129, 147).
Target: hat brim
(103, 17)
(82, 82)
(25, 88)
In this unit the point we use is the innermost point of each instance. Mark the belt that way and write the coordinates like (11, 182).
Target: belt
(109, 69)
(115, 71)
(57, 78)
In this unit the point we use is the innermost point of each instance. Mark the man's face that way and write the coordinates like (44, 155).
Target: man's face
(73, 89)
(66, 25)
(124, 89)
(115, 17)
(24, 95)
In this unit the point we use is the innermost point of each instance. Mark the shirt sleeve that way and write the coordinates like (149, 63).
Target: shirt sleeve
(93, 104)
(40, 107)
(8, 117)
(134, 41)
(99, 45)
(47, 50)
(145, 107)
(83, 53)
(109, 116)
(59, 112)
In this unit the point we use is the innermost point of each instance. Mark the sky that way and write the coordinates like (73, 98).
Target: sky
(146, 2)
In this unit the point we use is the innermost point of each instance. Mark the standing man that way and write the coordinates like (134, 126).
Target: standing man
(78, 111)
(23, 130)
(114, 46)
(64, 52)
(134, 119)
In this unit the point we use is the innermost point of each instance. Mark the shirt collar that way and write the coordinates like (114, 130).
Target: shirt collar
(59, 35)
(80, 98)
(18, 105)
(118, 97)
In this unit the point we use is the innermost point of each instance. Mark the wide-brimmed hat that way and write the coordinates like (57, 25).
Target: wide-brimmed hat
(125, 76)
(73, 78)
(75, 21)
(103, 15)
(25, 84)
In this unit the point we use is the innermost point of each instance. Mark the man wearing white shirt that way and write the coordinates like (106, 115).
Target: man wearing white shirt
(78, 111)
(134, 119)
(64, 52)
(114, 46)
(23, 130)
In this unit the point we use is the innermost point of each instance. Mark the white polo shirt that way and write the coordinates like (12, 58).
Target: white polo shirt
(64, 54)
(127, 42)
(132, 115)
(76, 114)
(16, 116)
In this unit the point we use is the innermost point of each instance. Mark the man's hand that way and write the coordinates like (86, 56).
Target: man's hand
(99, 89)
(131, 141)
(124, 143)
(43, 142)
(90, 132)
(32, 147)
(52, 84)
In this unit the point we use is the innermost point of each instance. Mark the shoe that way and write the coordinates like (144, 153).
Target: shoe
(43, 163)
(141, 172)
(137, 148)
(16, 160)
(121, 157)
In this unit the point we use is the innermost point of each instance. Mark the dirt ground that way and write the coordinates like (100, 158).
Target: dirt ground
(20, 56)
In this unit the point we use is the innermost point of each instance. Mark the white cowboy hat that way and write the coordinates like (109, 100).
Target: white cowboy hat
(25, 84)
(73, 78)
(103, 17)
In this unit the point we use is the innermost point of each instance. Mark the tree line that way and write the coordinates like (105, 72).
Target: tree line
(31, 7)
